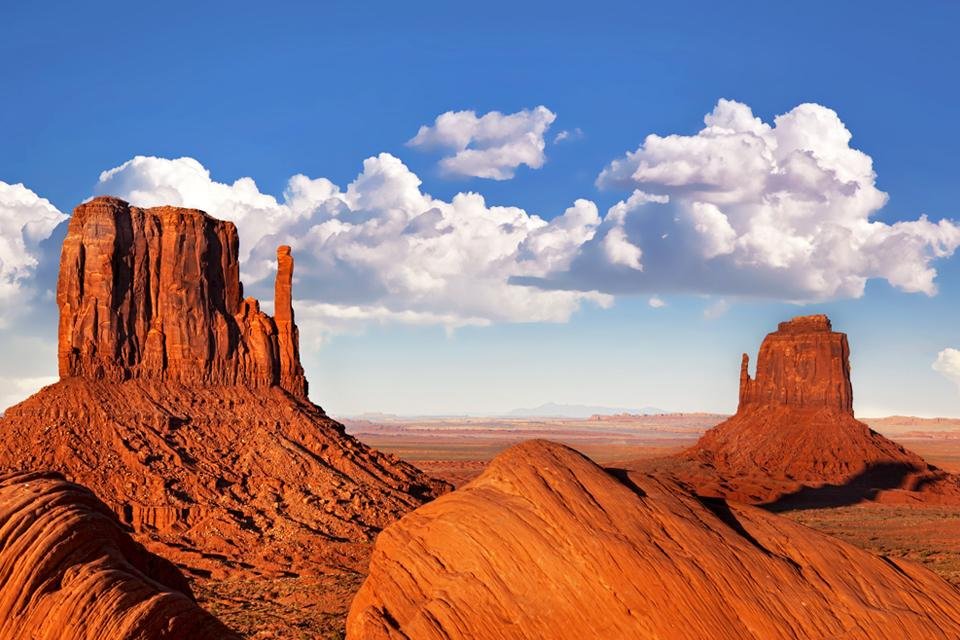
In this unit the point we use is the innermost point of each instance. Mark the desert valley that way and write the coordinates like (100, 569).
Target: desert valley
(180, 482)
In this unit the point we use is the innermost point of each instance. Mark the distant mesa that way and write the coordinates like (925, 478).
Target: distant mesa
(70, 572)
(184, 407)
(794, 440)
(575, 411)
(546, 544)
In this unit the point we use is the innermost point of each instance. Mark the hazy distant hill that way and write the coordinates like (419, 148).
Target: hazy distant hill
(555, 410)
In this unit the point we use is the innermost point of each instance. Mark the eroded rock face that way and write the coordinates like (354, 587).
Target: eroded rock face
(68, 571)
(184, 407)
(288, 336)
(155, 294)
(546, 544)
(794, 440)
(804, 364)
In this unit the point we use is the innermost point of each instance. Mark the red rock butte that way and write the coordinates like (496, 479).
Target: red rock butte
(546, 544)
(804, 364)
(184, 407)
(155, 294)
(794, 440)
(70, 572)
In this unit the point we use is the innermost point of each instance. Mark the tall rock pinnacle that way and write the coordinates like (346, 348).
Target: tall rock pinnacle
(288, 337)
(155, 294)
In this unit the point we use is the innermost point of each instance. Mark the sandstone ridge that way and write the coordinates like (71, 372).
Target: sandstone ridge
(69, 571)
(546, 544)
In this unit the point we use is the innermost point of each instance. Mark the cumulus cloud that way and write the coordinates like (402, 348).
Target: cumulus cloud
(743, 207)
(489, 146)
(947, 364)
(656, 302)
(619, 250)
(382, 250)
(26, 220)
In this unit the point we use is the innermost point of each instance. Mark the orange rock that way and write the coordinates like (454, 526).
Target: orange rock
(546, 544)
(804, 364)
(794, 440)
(68, 571)
(288, 336)
(185, 409)
(156, 294)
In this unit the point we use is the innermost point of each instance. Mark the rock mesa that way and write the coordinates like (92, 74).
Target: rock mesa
(546, 544)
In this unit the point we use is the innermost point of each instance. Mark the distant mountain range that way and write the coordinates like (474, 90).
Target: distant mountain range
(555, 410)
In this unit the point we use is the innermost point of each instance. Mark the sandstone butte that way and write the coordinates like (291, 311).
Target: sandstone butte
(70, 572)
(184, 407)
(546, 544)
(794, 440)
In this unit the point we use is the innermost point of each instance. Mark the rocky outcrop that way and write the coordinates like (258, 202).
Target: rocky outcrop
(794, 440)
(546, 544)
(288, 336)
(184, 407)
(155, 294)
(68, 571)
(804, 364)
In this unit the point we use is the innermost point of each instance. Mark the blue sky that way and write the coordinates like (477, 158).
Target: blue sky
(269, 93)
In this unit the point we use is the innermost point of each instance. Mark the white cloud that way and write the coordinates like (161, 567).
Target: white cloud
(711, 223)
(568, 135)
(741, 208)
(620, 251)
(382, 250)
(489, 146)
(948, 365)
(656, 302)
(747, 208)
(184, 182)
(25, 221)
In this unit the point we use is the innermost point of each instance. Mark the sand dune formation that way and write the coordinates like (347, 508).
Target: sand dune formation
(183, 412)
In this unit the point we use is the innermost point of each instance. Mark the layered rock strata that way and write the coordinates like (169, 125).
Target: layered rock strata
(70, 572)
